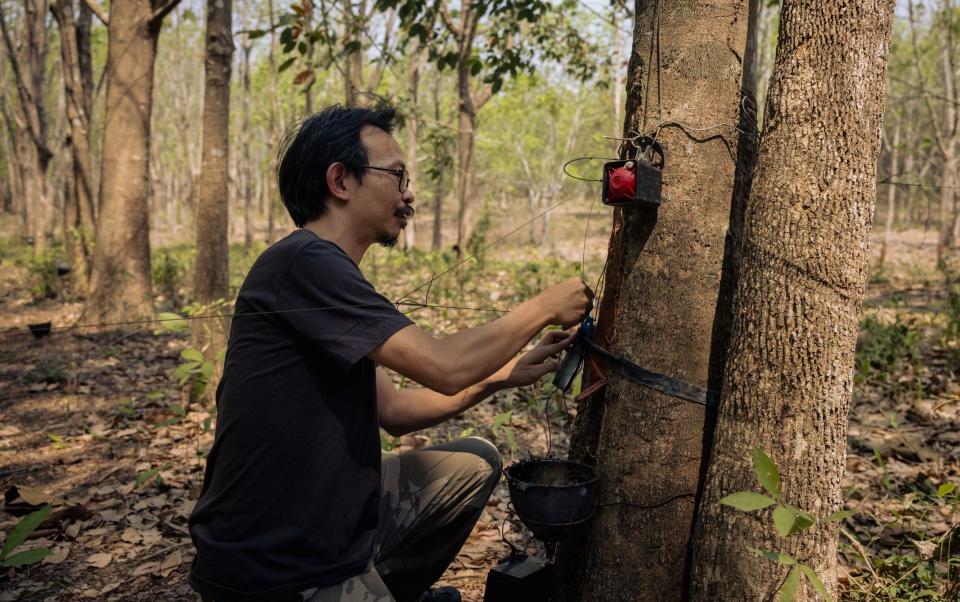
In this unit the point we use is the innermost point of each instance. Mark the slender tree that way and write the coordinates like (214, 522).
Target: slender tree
(33, 153)
(120, 287)
(803, 266)
(662, 285)
(211, 274)
(79, 209)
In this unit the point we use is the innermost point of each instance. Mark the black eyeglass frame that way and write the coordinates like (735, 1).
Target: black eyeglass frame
(401, 173)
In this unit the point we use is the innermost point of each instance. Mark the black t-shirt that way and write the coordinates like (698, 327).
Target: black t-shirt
(291, 489)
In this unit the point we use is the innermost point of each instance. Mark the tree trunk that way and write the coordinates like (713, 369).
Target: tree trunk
(80, 225)
(211, 273)
(437, 241)
(662, 283)
(28, 60)
(120, 287)
(246, 167)
(413, 123)
(804, 259)
(466, 122)
(891, 194)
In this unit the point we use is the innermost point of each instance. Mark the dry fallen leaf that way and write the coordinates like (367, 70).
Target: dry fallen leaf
(171, 562)
(100, 560)
(146, 569)
(130, 535)
(60, 554)
(110, 587)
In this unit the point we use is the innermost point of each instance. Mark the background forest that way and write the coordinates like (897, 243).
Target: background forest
(111, 426)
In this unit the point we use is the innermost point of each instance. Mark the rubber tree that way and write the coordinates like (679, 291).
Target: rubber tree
(27, 53)
(80, 206)
(663, 282)
(788, 376)
(120, 287)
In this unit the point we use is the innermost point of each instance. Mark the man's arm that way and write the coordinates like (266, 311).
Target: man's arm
(451, 365)
(409, 410)
(413, 409)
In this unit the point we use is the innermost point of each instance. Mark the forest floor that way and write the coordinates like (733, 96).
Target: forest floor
(96, 424)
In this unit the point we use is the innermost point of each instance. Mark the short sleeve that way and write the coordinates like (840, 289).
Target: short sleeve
(324, 297)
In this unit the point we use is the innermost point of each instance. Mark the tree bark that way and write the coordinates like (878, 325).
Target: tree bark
(891, 194)
(211, 274)
(804, 260)
(437, 240)
(662, 284)
(28, 59)
(245, 156)
(120, 287)
(412, 125)
(80, 222)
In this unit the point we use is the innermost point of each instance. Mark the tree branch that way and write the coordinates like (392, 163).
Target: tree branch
(97, 10)
(163, 11)
(448, 21)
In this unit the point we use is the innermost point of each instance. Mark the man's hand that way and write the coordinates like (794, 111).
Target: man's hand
(528, 368)
(567, 303)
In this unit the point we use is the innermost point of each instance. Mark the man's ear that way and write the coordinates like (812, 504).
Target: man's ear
(337, 176)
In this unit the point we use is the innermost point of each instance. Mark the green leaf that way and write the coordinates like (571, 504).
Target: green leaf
(783, 519)
(183, 371)
(286, 64)
(802, 521)
(747, 500)
(191, 355)
(816, 582)
(253, 34)
(145, 476)
(837, 517)
(788, 591)
(23, 529)
(28, 557)
(767, 472)
(206, 371)
(946, 489)
(172, 321)
(778, 557)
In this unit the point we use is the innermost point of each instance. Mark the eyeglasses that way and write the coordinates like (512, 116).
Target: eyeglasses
(401, 173)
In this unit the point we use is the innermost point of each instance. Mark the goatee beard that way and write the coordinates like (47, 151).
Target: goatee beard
(388, 241)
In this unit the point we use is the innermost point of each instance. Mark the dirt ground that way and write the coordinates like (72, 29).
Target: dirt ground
(94, 423)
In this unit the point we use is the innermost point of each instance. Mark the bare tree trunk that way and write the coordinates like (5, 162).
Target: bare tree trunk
(211, 273)
(80, 225)
(120, 287)
(272, 121)
(412, 124)
(437, 241)
(891, 194)
(28, 59)
(662, 286)
(244, 140)
(789, 369)
(466, 122)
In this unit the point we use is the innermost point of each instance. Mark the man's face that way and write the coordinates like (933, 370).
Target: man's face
(384, 209)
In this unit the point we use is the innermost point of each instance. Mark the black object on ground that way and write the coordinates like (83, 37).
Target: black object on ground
(521, 578)
(40, 330)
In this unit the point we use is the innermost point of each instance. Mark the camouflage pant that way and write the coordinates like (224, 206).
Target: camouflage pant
(430, 501)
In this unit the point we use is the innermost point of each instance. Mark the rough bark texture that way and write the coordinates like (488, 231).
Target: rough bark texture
(120, 287)
(211, 274)
(28, 55)
(79, 223)
(663, 278)
(789, 370)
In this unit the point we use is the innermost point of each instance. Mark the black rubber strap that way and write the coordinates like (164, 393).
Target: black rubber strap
(654, 380)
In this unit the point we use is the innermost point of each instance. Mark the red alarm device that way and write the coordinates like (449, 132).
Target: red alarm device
(635, 182)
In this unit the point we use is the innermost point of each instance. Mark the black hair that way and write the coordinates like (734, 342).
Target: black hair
(315, 143)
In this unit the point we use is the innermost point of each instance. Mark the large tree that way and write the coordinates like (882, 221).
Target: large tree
(120, 287)
(803, 266)
(211, 276)
(662, 286)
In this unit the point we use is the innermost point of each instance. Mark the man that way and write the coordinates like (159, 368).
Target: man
(296, 504)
